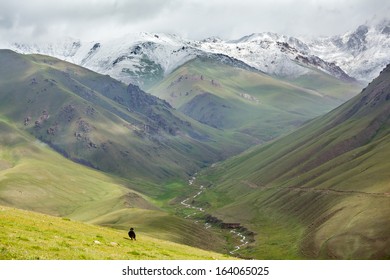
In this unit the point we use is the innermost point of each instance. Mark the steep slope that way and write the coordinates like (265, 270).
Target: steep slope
(102, 123)
(36, 178)
(320, 192)
(240, 99)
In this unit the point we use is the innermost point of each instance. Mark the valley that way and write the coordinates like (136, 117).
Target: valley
(324, 187)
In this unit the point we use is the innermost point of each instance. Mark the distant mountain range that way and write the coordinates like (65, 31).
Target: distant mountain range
(145, 58)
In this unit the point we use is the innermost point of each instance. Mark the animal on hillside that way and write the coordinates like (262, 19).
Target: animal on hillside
(131, 234)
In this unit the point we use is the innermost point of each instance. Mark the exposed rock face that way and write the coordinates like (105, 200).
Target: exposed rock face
(330, 67)
(357, 40)
(138, 99)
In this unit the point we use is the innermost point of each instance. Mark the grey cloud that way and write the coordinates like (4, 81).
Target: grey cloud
(6, 22)
(74, 16)
(197, 19)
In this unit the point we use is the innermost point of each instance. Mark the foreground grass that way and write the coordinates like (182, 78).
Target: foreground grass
(29, 235)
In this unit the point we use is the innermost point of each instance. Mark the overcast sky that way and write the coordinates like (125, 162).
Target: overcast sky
(26, 20)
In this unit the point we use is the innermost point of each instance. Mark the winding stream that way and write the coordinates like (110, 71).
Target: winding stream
(239, 235)
(243, 241)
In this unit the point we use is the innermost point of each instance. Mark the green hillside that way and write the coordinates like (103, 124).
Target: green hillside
(249, 102)
(31, 236)
(102, 123)
(321, 192)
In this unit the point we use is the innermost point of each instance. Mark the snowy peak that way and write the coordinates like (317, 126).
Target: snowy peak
(362, 53)
(267, 38)
(256, 37)
(212, 40)
(66, 48)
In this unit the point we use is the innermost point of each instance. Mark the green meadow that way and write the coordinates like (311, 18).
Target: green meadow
(32, 236)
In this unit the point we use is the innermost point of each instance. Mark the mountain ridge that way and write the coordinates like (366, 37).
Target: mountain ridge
(142, 58)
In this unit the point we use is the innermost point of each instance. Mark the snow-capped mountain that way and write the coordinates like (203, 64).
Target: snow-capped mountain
(144, 58)
(135, 58)
(362, 53)
(274, 54)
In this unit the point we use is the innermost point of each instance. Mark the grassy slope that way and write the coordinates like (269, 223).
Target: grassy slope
(37, 178)
(29, 235)
(276, 107)
(320, 192)
(326, 85)
(33, 177)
